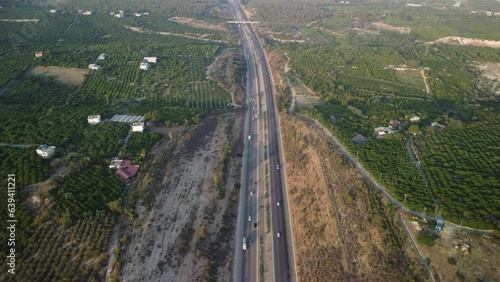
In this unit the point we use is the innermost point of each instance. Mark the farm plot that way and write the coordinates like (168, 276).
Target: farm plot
(12, 65)
(463, 166)
(177, 79)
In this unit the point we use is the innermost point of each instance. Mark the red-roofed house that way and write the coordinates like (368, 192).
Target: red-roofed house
(125, 168)
(394, 122)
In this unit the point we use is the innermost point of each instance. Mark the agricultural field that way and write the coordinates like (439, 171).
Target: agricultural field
(71, 203)
(463, 165)
(138, 145)
(368, 75)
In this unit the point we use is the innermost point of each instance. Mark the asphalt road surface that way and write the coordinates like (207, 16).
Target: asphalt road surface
(280, 256)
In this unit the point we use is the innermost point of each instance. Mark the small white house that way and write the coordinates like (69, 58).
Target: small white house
(87, 13)
(150, 60)
(144, 66)
(138, 126)
(102, 56)
(94, 119)
(39, 54)
(119, 15)
(435, 124)
(53, 11)
(414, 118)
(45, 151)
(137, 14)
(94, 67)
(383, 130)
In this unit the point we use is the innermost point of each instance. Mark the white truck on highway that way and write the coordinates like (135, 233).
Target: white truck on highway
(244, 243)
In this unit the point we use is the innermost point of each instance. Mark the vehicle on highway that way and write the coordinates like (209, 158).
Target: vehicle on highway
(277, 166)
(255, 224)
(251, 193)
(278, 203)
(249, 137)
(249, 218)
(278, 234)
(245, 243)
(249, 242)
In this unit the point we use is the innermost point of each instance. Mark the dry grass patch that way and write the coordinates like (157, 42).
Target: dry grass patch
(73, 76)
(342, 229)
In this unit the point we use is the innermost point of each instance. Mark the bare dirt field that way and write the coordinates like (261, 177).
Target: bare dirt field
(384, 26)
(199, 24)
(342, 229)
(73, 76)
(490, 73)
(186, 226)
(467, 41)
(460, 256)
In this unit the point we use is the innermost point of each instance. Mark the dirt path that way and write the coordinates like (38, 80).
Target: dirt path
(467, 41)
(140, 30)
(415, 245)
(427, 89)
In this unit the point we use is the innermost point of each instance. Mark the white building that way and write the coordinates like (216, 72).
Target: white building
(457, 4)
(380, 131)
(102, 56)
(150, 60)
(435, 124)
(119, 15)
(414, 118)
(144, 66)
(87, 13)
(45, 151)
(94, 67)
(53, 11)
(138, 126)
(94, 119)
(137, 14)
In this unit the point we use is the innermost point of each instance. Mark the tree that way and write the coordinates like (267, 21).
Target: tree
(115, 205)
(414, 129)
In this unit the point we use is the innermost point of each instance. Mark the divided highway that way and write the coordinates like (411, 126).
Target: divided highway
(246, 266)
